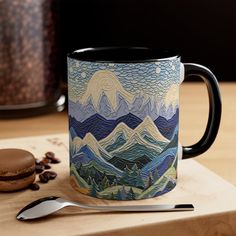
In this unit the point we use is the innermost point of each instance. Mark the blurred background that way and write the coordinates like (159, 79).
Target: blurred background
(36, 35)
(202, 31)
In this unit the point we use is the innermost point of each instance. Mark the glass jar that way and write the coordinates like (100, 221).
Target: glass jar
(29, 58)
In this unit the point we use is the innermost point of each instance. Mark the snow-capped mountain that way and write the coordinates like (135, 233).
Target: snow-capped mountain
(149, 127)
(104, 106)
(117, 137)
(90, 141)
(105, 82)
(82, 112)
(126, 143)
(106, 96)
(122, 107)
(136, 147)
(138, 143)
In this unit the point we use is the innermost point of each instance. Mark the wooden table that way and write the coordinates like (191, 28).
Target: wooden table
(193, 116)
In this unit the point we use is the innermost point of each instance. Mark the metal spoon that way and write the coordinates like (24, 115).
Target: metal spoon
(48, 205)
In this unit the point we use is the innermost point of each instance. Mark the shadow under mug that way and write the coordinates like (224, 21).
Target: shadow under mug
(124, 120)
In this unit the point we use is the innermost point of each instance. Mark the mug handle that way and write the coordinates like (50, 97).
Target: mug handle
(214, 117)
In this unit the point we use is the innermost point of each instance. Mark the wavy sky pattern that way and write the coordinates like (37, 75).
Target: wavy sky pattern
(148, 78)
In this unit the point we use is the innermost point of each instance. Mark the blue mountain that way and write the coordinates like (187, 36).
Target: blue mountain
(81, 112)
(74, 108)
(87, 110)
(87, 157)
(73, 134)
(161, 162)
(142, 108)
(101, 127)
(104, 106)
(147, 110)
(80, 158)
(137, 104)
(120, 140)
(130, 120)
(107, 112)
(97, 125)
(151, 140)
(135, 148)
(167, 127)
(123, 108)
(165, 164)
(122, 163)
(167, 111)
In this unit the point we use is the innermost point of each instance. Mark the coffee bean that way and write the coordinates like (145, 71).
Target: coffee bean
(34, 187)
(42, 165)
(47, 160)
(47, 175)
(50, 155)
(55, 161)
(43, 178)
(47, 166)
(39, 168)
(44, 162)
(50, 174)
(53, 174)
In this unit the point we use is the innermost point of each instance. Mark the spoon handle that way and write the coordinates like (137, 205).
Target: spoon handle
(144, 208)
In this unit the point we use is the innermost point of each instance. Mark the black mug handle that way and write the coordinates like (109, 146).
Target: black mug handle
(214, 117)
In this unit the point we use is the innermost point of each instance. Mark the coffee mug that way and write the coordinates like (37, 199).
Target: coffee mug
(124, 120)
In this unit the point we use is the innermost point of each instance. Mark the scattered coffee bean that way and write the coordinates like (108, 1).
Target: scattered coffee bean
(50, 174)
(43, 178)
(47, 166)
(47, 160)
(55, 161)
(46, 174)
(50, 155)
(44, 164)
(34, 187)
(39, 169)
(41, 163)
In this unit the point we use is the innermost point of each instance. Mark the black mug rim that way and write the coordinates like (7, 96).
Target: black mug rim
(123, 54)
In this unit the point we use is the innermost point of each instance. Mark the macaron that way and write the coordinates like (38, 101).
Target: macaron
(17, 169)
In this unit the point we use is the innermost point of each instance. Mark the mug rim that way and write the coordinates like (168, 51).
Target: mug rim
(104, 54)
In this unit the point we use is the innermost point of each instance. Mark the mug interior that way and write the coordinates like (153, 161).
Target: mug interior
(123, 54)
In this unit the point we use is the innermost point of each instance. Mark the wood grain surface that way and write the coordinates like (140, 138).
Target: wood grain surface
(213, 198)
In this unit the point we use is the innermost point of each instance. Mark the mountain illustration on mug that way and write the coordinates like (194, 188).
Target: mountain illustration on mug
(123, 135)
